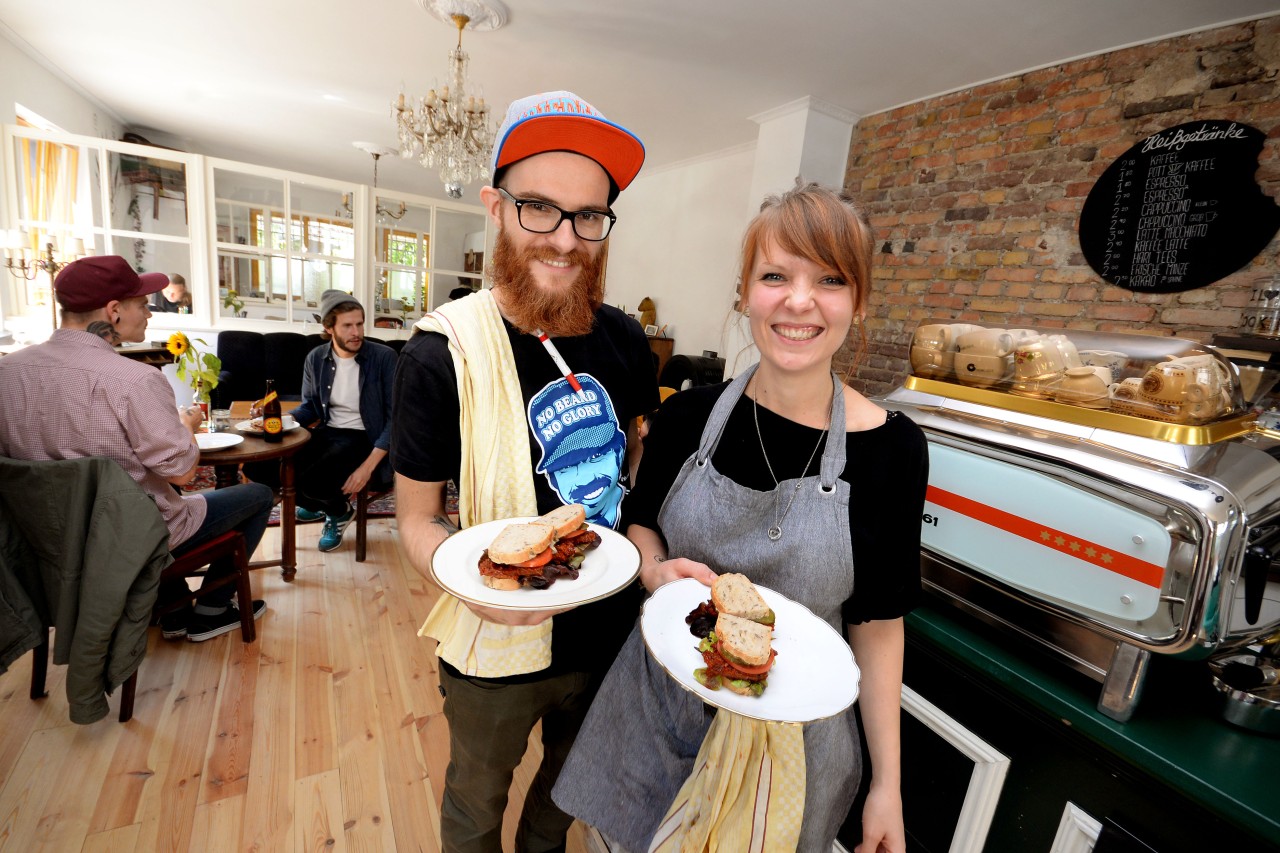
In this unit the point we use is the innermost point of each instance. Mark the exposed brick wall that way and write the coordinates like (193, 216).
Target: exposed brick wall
(975, 196)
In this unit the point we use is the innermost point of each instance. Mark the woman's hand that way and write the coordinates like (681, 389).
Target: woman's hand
(656, 570)
(882, 830)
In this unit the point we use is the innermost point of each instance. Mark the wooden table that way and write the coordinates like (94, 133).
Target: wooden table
(226, 465)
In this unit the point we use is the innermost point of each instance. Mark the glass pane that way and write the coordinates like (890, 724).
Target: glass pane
(321, 221)
(404, 241)
(317, 276)
(245, 205)
(447, 287)
(89, 194)
(251, 279)
(459, 241)
(171, 259)
(149, 194)
(398, 299)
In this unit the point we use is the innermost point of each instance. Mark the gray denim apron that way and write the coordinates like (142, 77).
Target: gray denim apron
(643, 732)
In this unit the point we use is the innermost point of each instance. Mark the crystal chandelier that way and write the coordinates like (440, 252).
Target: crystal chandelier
(449, 129)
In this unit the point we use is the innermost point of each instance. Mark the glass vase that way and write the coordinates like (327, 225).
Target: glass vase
(200, 400)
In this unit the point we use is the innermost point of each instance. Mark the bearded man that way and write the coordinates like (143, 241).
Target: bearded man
(525, 395)
(346, 405)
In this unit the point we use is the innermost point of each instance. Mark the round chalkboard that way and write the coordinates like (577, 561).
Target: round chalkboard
(1179, 210)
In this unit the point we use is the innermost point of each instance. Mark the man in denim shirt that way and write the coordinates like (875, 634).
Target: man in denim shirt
(346, 404)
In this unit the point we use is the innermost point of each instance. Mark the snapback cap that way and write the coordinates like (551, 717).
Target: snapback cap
(90, 283)
(561, 121)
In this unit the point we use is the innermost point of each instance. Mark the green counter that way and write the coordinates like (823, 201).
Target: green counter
(1175, 735)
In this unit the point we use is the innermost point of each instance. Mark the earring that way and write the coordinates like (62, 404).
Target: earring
(746, 312)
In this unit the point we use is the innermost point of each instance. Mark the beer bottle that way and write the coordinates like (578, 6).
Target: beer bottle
(272, 422)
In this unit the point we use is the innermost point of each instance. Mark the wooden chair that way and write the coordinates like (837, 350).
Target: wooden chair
(363, 499)
(194, 563)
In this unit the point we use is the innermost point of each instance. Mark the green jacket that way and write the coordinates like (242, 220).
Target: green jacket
(86, 545)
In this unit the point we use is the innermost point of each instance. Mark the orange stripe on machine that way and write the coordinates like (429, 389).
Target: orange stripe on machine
(1061, 541)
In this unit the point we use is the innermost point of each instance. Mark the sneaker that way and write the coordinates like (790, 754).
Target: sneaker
(173, 625)
(202, 627)
(307, 514)
(331, 536)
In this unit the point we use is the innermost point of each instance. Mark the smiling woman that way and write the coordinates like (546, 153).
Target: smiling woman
(805, 479)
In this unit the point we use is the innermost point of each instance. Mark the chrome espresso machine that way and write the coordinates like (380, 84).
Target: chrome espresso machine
(1108, 496)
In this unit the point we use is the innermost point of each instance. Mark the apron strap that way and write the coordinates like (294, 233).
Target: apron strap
(720, 415)
(833, 458)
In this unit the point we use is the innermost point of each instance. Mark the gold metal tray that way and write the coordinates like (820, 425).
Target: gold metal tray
(1211, 433)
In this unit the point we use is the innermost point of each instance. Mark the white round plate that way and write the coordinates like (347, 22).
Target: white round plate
(607, 569)
(217, 440)
(247, 426)
(814, 676)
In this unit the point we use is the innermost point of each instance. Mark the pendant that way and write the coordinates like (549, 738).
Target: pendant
(775, 533)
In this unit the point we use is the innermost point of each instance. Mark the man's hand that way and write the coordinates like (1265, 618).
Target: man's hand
(358, 479)
(513, 617)
(191, 418)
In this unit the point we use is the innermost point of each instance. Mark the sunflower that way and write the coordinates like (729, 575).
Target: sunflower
(178, 345)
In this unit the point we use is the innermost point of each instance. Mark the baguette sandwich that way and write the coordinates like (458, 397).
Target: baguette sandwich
(739, 652)
(536, 553)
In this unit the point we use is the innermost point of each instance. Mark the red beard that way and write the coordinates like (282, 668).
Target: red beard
(561, 313)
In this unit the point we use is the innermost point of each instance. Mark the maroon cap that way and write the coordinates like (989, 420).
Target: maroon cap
(90, 283)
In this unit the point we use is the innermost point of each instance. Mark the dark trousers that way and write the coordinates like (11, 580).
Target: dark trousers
(489, 725)
(246, 508)
(320, 468)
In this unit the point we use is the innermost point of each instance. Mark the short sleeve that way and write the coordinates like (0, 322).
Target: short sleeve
(425, 437)
(885, 505)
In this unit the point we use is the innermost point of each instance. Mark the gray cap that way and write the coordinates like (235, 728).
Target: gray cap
(331, 299)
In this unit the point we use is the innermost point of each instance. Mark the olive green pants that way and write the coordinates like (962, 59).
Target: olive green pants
(489, 725)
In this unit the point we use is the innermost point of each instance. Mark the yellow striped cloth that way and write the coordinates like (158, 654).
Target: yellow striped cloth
(745, 794)
(495, 481)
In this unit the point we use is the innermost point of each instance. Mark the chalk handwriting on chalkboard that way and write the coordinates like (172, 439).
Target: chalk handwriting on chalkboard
(1179, 210)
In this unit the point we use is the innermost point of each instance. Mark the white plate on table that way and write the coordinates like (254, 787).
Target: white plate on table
(814, 676)
(217, 440)
(248, 426)
(607, 569)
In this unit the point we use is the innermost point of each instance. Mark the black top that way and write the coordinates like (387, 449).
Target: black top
(580, 437)
(161, 304)
(887, 469)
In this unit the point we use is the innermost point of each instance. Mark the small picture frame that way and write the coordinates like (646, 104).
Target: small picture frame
(651, 331)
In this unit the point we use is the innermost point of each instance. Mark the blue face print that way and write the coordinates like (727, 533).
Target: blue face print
(583, 446)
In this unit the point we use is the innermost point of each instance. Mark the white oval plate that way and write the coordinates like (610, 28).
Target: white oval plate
(814, 676)
(247, 426)
(607, 569)
(217, 440)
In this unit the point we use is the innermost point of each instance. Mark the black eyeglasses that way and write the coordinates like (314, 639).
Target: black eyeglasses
(543, 217)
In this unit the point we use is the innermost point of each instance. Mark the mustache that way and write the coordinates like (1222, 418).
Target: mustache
(595, 484)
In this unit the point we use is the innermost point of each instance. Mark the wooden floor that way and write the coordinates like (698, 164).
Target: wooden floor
(324, 735)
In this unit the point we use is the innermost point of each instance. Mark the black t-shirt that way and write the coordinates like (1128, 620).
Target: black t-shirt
(576, 442)
(887, 469)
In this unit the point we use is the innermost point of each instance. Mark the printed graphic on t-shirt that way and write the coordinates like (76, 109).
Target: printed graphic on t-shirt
(583, 446)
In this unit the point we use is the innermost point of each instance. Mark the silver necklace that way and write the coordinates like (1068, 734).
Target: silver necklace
(775, 532)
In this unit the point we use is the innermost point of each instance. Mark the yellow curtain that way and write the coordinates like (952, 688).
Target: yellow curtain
(51, 171)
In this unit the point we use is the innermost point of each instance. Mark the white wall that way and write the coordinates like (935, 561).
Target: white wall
(24, 81)
(677, 241)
